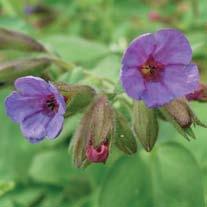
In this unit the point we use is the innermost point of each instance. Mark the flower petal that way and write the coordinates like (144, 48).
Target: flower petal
(31, 86)
(172, 47)
(132, 82)
(181, 80)
(34, 127)
(139, 50)
(55, 126)
(156, 94)
(18, 106)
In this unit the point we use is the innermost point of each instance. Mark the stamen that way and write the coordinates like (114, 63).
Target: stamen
(52, 104)
(151, 70)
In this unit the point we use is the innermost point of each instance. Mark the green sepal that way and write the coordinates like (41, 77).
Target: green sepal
(145, 125)
(124, 137)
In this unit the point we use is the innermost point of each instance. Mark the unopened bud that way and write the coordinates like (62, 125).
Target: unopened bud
(10, 71)
(18, 41)
(76, 96)
(198, 95)
(91, 141)
(145, 125)
(179, 111)
(180, 115)
(124, 137)
(97, 154)
(154, 16)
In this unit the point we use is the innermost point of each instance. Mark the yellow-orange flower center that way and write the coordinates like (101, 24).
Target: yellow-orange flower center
(151, 70)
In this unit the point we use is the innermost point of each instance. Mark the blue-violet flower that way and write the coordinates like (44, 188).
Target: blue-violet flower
(156, 68)
(38, 107)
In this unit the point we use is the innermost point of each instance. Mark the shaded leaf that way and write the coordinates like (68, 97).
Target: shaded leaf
(11, 70)
(76, 49)
(18, 41)
(169, 175)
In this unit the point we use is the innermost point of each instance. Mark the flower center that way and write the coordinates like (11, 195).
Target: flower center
(151, 70)
(51, 104)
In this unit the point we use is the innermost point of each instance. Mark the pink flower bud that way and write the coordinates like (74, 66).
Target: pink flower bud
(198, 95)
(98, 154)
(154, 16)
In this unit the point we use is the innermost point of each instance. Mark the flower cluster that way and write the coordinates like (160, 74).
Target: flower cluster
(156, 73)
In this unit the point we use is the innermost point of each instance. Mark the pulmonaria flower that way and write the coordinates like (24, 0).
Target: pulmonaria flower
(198, 95)
(157, 68)
(99, 154)
(38, 107)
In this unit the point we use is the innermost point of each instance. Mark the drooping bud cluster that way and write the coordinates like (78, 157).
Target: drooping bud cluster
(91, 142)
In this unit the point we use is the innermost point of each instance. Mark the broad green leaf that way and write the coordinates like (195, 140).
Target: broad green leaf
(175, 176)
(126, 184)
(15, 23)
(75, 48)
(6, 203)
(169, 175)
(108, 67)
(53, 167)
(15, 151)
(27, 195)
(5, 187)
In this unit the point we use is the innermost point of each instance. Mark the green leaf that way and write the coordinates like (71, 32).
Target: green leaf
(6, 203)
(24, 196)
(5, 187)
(15, 151)
(126, 184)
(72, 77)
(11, 70)
(108, 67)
(76, 49)
(15, 23)
(169, 175)
(53, 167)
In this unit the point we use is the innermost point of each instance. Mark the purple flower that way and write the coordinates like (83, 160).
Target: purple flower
(38, 107)
(156, 68)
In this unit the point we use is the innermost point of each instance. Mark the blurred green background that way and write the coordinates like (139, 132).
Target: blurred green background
(93, 34)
